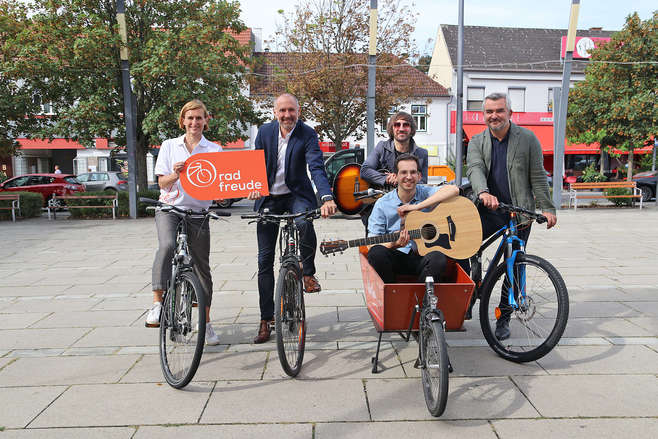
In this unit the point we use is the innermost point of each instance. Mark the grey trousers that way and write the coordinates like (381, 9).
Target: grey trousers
(198, 240)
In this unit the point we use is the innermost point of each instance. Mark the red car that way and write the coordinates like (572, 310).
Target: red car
(45, 184)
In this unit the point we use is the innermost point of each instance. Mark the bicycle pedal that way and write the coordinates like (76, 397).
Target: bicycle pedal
(417, 364)
(195, 304)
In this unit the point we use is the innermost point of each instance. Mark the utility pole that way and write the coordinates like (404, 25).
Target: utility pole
(558, 149)
(459, 159)
(128, 110)
(372, 61)
(557, 184)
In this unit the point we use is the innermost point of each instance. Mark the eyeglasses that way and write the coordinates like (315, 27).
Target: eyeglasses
(401, 124)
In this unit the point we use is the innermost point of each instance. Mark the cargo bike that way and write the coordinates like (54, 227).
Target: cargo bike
(524, 289)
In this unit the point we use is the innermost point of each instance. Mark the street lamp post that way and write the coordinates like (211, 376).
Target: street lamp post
(372, 61)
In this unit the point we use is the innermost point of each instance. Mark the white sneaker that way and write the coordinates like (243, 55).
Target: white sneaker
(212, 339)
(153, 316)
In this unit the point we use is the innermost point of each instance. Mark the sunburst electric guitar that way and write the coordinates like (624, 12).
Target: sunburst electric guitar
(453, 228)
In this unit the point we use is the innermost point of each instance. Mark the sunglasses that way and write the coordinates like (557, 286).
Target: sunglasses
(401, 124)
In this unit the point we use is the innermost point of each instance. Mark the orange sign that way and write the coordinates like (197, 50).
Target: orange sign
(228, 174)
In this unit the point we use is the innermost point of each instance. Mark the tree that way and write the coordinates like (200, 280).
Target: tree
(68, 53)
(617, 103)
(424, 63)
(326, 64)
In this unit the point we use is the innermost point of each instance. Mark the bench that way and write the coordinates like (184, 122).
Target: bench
(574, 195)
(54, 203)
(15, 204)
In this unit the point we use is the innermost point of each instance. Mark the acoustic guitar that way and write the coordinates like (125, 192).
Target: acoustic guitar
(453, 228)
(347, 181)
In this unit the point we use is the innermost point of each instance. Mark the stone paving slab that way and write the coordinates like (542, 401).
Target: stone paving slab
(279, 401)
(646, 308)
(332, 365)
(40, 338)
(125, 404)
(591, 395)
(609, 327)
(23, 289)
(602, 428)
(270, 431)
(20, 321)
(66, 370)
(20, 405)
(71, 433)
(123, 304)
(51, 305)
(213, 367)
(119, 336)
(89, 319)
(631, 359)
(468, 398)
(416, 429)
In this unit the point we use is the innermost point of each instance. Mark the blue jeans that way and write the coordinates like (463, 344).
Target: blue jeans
(267, 238)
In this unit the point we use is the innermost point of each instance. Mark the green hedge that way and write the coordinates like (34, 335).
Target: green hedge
(620, 191)
(124, 209)
(31, 203)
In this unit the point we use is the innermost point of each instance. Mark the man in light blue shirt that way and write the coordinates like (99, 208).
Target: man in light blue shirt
(401, 257)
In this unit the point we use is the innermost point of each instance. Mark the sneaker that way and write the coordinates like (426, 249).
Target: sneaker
(153, 316)
(212, 339)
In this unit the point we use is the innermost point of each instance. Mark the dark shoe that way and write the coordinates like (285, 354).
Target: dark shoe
(502, 329)
(263, 332)
(311, 284)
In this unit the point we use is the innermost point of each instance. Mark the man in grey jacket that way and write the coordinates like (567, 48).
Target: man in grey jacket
(506, 164)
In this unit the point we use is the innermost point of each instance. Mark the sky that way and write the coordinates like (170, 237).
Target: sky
(608, 14)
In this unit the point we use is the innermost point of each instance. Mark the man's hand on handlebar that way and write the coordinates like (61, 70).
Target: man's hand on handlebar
(254, 195)
(328, 208)
(551, 219)
(489, 201)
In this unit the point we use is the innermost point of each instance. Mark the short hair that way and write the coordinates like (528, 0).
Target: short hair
(400, 115)
(496, 97)
(194, 104)
(406, 156)
(288, 95)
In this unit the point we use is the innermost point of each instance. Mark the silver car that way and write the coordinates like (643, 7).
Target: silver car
(100, 181)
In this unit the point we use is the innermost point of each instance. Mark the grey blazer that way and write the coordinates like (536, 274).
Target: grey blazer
(525, 168)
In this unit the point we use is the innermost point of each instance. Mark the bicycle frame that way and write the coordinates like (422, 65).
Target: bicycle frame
(288, 239)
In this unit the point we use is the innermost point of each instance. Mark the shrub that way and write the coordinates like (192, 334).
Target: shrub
(124, 209)
(619, 191)
(591, 174)
(31, 203)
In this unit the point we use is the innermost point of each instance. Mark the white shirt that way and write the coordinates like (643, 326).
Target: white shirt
(173, 151)
(279, 187)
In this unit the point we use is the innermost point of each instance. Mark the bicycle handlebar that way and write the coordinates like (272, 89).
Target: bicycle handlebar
(189, 212)
(536, 216)
(275, 218)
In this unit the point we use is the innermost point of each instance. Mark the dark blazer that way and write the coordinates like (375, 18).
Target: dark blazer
(302, 150)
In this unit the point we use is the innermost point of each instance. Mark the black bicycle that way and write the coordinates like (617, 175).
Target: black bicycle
(289, 310)
(183, 316)
(526, 290)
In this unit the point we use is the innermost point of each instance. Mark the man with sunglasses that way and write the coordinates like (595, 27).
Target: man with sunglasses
(378, 169)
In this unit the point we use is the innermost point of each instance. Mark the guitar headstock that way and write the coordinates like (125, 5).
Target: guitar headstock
(330, 247)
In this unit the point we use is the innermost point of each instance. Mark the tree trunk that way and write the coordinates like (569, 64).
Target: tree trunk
(140, 157)
(629, 175)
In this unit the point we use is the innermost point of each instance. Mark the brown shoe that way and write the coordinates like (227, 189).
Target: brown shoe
(263, 332)
(311, 284)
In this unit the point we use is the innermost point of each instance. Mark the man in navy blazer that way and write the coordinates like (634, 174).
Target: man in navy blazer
(290, 147)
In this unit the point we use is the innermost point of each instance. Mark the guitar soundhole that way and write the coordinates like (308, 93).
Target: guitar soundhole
(428, 232)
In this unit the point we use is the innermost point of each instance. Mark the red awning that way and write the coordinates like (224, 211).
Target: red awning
(46, 144)
(472, 130)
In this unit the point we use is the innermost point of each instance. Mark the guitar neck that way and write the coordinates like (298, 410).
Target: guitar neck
(381, 239)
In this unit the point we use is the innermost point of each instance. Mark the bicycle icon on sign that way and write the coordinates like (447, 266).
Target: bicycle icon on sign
(201, 173)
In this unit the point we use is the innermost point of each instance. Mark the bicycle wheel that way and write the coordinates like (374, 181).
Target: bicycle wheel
(434, 372)
(182, 330)
(539, 322)
(290, 318)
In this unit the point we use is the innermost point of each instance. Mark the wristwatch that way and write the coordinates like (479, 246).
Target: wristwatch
(326, 198)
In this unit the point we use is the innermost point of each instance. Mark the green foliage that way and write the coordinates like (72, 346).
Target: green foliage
(31, 203)
(646, 162)
(328, 41)
(591, 174)
(67, 52)
(3, 176)
(124, 208)
(616, 104)
(424, 63)
(619, 191)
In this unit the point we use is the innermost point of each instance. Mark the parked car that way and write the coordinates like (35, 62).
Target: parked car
(45, 184)
(100, 181)
(646, 182)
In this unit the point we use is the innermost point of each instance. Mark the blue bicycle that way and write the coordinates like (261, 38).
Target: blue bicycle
(526, 290)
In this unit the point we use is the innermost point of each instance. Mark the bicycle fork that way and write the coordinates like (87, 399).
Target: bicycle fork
(429, 315)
